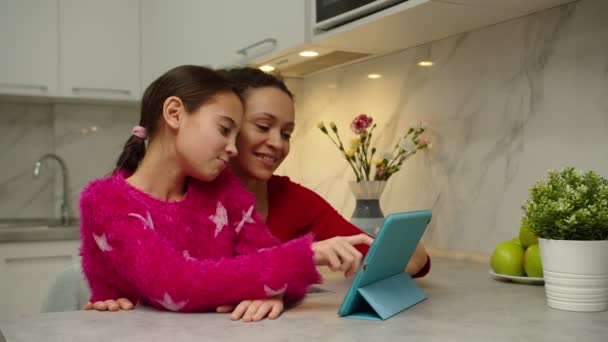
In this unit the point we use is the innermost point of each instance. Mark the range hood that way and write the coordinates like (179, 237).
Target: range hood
(294, 65)
(401, 26)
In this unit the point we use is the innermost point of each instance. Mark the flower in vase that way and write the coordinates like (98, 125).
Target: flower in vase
(361, 123)
(360, 156)
(407, 144)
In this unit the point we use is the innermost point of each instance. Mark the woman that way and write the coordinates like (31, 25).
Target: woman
(289, 209)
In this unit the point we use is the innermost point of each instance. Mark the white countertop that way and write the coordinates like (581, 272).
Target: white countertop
(464, 304)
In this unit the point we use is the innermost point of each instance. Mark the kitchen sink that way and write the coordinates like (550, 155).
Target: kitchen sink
(37, 229)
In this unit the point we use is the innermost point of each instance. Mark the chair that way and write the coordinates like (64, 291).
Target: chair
(69, 291)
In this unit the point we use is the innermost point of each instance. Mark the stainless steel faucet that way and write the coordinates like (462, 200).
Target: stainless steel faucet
(65, 196)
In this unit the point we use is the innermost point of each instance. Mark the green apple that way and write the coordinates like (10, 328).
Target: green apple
(532, 262)
(508, 259)
(526, 236)
(516, 241)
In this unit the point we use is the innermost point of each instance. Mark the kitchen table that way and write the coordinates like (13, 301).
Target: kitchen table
(464, 304)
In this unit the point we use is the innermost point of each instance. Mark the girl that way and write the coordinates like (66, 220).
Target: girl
(172, 228)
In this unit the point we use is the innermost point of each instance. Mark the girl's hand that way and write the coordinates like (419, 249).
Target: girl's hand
(255, 310)
(110, 305)
(340, 254)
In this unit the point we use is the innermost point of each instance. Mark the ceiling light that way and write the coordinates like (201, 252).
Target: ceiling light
(426, 63)
(374, 76)
(267, 68)
(309, 53)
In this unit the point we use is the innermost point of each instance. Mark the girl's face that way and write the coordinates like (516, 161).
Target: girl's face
(263, 141)
(206, 138)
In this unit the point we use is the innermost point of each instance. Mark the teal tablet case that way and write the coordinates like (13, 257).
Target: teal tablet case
(381, 288)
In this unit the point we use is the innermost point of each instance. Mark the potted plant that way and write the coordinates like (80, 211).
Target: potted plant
(569, 213)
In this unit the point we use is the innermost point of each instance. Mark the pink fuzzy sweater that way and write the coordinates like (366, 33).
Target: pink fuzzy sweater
(209, 249)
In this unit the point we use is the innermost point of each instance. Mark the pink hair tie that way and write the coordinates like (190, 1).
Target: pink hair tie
(139, 132)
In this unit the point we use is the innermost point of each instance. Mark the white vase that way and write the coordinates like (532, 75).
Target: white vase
(367, 214)
(576, 274)
(367, 189)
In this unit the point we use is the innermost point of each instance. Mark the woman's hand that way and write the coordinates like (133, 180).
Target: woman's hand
(417, 261)
(255, 310)
(110, 305)
(340, 254)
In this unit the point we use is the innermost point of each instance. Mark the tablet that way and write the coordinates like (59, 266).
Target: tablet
(381, 287)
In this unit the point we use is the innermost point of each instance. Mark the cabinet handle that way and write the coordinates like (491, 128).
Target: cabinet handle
(244, 50)
(41, 88)
(37, 259)
(78, 90)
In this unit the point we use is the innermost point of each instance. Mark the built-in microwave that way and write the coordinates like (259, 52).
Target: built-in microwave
(328, 14)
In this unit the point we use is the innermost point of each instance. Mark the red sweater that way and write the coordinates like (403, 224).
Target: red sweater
(209, 249)
(294, 210)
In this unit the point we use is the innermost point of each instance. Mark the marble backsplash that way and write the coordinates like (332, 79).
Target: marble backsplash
(503, 104)
(88, 137)
(26, 132)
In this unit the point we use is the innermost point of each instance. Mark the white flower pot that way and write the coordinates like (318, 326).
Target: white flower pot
(576, 274)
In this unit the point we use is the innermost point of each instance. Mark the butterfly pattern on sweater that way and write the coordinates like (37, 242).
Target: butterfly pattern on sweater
(220, 218)
(148, 223)
(187, 256)
(246, 219)
(102, 242)
(271, 293)
(168, 303)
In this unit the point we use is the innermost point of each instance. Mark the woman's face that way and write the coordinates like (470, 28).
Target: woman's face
(263, 142)
(206, 138)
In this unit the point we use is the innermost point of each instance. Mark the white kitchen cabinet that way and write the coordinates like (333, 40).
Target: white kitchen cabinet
(99, 54)
(29, 36)
(176, 32)
(27, 270)
(401, 26)
(415, 22)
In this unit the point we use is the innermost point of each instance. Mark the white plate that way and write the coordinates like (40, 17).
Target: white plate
(516, 279)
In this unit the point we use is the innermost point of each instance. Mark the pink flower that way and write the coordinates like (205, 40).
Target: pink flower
(423, 141)
(361, 123)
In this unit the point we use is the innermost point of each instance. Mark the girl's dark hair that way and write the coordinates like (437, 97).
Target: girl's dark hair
(246, 78)
(194, 85)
